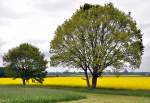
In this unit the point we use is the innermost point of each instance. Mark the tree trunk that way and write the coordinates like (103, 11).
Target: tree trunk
(94, 82)
(24, 81)
(87, 80)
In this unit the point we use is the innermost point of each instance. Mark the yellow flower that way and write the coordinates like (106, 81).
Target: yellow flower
(105, 82)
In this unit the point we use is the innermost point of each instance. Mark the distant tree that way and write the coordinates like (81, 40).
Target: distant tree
(126, 71)
(26, 62)
(95, 38)
(66, 72)
(2, 72)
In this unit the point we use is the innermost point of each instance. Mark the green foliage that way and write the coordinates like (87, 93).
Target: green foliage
(2, 72)
(97, 37)
(26, 61)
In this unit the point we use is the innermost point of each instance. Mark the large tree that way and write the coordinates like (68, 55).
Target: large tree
(95, 38)
(26, 62)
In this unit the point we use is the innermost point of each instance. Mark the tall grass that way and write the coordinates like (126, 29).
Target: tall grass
(20, 94)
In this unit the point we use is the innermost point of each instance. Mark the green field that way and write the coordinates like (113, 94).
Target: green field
(41, 94)
(20, 94)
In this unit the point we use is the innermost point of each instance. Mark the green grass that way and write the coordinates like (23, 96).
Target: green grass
(110, 95)
(123, 92)
(21, 94)
(43, 94)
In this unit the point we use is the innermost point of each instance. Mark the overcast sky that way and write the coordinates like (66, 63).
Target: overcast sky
(35, 21)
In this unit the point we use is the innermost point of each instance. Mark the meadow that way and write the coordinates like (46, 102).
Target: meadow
(28, 94)
(72, 90)
(47, 94)
(139, 82)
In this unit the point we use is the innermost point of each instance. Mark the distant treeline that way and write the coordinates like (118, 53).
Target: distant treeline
(57, 74)
(4, 72)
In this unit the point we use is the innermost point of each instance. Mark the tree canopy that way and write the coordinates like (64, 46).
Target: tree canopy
(95, 38)
(26, 61)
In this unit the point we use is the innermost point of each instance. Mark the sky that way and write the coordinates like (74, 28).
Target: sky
(35, 22)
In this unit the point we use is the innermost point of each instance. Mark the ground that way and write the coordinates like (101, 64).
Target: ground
(112, 96)
(100, 98)
(49, 94)
(35, 94)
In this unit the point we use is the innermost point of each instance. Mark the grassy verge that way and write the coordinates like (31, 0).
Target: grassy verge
(110, 95)
(123, 92)
(30, 94)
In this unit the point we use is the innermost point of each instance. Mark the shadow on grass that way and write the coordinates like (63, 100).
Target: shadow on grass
(109, 91)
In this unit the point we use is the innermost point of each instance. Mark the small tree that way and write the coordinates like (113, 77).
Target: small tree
(26, 62)
(95, 38)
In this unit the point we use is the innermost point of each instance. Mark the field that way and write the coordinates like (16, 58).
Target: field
(142, 83)
(21, 94)
(63, 90)
(45, 94)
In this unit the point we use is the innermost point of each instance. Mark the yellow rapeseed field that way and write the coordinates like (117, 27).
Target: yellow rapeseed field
(105, 82)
